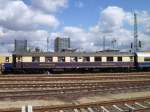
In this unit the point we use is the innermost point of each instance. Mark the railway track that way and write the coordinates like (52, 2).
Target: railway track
(130, 105)
(71, 88)
(73, 78)
(74, 90)
(76, 75)
(71, 84)
(124, 105)
(136, 105)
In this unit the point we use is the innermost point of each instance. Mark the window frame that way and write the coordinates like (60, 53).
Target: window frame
(47, 58)
(74, 59)
(120, 59)
(97, 58)
(61, 59)
(86, 59)
(110, 57)
(36, 57)
(7, 59)
(145, 59)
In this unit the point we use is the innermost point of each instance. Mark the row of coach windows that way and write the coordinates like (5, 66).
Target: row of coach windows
(108, 59)
(47, 59)
(76, 59)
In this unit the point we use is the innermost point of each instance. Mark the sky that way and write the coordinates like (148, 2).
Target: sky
(85, 22)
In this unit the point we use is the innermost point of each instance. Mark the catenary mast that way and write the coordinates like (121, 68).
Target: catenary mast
(136, 47)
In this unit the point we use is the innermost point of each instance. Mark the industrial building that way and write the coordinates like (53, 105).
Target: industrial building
(61, 44)
(20, 45)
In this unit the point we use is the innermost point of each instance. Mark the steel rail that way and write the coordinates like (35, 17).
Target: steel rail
(96, 104)
(57, 108)
(66, 91)
(64, 85)
(77, 74)
(70, 79)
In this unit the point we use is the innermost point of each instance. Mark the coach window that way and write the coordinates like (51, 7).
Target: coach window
(7, 59)
(86, 59)
(147, 59)
(19, 59)
(48, 59)
(61, 59)
(98, 59)
(73, 59)
(119, 58)
(35, 59)
(131, 58)
(109, 59)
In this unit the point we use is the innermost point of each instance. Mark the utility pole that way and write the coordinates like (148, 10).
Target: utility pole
(47, 43)
(136, 47)
(113, 43)
(104, 43)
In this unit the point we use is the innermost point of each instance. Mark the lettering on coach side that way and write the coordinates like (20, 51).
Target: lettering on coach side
(46, 65)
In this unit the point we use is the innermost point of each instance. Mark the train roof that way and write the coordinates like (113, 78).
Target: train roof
(5, 54)
(78, 54)
(144, 54)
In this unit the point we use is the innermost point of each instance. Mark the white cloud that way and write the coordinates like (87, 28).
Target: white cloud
(93, 41)
(49, 5)
(112, 18)
(112, 25)
(35, 38)
(21, 21)
(16, 15)
(80, 39)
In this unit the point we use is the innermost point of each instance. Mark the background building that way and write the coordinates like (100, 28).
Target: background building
(20, 45)
(61, 44)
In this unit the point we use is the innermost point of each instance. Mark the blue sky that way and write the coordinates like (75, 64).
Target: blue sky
(86, 22)
(88, 14)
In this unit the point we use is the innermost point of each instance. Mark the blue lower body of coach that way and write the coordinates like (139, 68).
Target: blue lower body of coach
(144, 64)
(7, 67)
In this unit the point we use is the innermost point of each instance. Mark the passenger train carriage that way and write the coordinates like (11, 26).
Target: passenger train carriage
(41, 62)
(6, 58)
(143, 59)
(50, 61)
